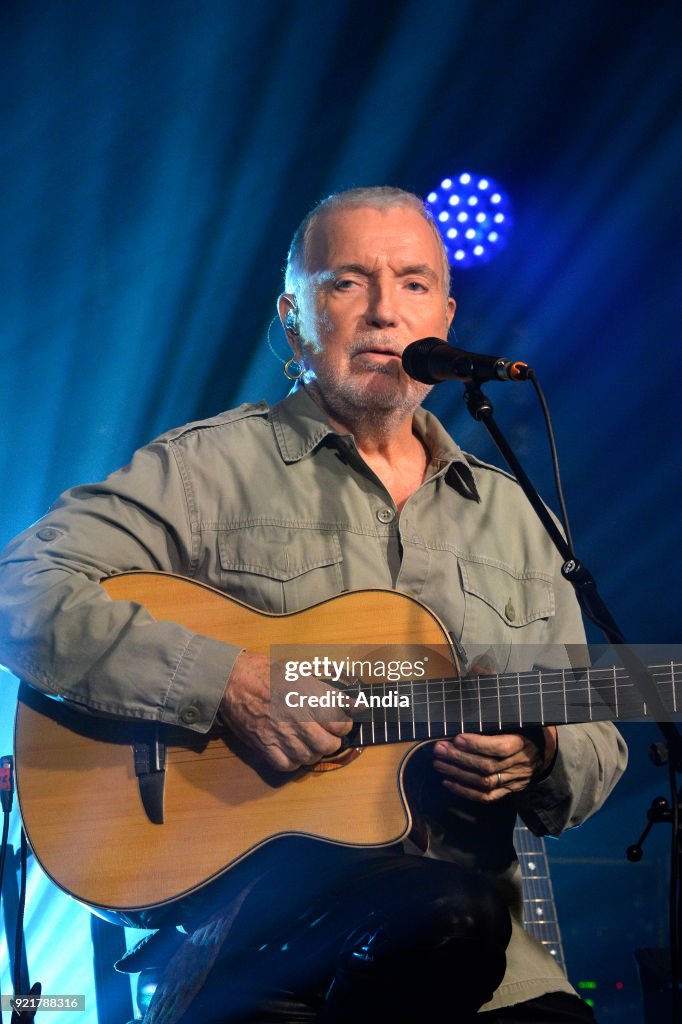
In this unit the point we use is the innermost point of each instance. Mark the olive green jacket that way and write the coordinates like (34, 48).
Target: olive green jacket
(274, 507)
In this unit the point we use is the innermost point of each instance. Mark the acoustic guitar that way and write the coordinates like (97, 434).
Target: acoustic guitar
(128, 816)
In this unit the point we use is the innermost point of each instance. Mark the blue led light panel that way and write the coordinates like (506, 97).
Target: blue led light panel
(474, 217)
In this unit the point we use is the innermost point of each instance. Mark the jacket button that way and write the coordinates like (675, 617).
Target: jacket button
(47, 533)
(386, 515)
(189, 715)
(510, 611)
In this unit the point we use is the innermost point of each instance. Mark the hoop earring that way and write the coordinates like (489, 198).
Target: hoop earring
(293, 369)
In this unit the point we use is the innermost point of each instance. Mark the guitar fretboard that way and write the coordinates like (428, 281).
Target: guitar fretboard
(539, 908)
(420, 709)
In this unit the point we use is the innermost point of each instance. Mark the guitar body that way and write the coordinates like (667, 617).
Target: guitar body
(79, 795)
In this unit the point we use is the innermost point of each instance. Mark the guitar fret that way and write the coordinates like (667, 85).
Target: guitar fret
(445, 708)
(412, 708)
(399, 730)
(542, 706)
(615, 690)
(385, 726)
(672, 675)
(518, 690)
(461, 705)
(480, 711)
(544, 929)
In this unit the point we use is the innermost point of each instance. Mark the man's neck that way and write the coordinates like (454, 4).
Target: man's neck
(387, 442)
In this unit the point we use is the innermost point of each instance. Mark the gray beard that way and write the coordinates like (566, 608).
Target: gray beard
(349, 404)
(347, 400)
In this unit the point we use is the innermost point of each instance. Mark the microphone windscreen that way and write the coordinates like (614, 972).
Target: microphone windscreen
(416, 359)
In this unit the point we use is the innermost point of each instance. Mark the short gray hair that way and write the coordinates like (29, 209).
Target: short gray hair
(378, 197)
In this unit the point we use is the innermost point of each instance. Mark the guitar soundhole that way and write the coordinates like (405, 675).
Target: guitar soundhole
(334, 761)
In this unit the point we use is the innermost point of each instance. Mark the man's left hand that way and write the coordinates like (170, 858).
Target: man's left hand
(487, 768)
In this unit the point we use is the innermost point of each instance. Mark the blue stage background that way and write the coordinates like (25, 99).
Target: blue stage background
(157, 157)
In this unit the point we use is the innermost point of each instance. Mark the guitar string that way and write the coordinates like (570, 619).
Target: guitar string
(636, 707)
(537, 685)
(544, 686)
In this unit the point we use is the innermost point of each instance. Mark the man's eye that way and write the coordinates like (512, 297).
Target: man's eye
(344, 284)
(416, 286)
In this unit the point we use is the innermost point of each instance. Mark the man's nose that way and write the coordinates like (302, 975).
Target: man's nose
(381, 311)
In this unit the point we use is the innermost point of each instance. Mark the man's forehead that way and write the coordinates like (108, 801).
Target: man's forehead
(365, 235)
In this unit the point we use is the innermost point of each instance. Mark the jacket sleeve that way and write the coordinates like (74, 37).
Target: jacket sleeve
(60, 631)
(590, 760)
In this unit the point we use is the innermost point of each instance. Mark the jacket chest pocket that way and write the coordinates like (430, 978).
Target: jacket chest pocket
(503, 608)
(278, 568)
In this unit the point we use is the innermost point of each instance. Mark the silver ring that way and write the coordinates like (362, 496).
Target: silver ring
(499, 780)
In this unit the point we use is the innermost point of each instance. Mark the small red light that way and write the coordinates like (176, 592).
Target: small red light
(619, 985)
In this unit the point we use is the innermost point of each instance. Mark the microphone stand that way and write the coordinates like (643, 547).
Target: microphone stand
(594, 607)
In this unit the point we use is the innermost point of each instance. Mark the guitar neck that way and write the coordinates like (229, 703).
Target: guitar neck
(430, 709)
(539, 906)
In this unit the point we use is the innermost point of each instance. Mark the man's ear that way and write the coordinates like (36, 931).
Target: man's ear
(451, 307)
(287, 309)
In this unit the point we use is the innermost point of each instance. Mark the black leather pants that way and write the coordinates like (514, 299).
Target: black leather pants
(398, 939)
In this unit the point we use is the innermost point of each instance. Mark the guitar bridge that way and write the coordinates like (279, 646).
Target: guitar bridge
(150, 769)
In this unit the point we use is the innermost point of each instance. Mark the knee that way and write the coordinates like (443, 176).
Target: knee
(410, 962)
(448, 908)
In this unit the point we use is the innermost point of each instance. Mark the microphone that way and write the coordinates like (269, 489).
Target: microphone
(432, 361)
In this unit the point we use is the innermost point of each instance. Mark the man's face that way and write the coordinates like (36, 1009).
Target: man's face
(376, 284)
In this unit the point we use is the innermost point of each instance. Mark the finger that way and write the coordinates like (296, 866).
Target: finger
(449, 753)
(499, 745)
(470, 762)
(514, 778)
(485, 796)
(339, 728)
(318, 740)
(275, 757)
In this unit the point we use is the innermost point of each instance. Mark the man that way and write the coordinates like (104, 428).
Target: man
(345, 484)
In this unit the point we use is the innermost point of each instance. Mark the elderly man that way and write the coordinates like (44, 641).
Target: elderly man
(347, 483)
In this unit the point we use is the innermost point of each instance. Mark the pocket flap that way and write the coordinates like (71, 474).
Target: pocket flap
(517, 598)
(281, 553)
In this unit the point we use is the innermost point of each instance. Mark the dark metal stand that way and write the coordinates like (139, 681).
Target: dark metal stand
(577, 574)
(10, 907)
(592, 604)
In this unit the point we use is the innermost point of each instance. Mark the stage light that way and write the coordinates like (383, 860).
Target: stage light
(486, 214)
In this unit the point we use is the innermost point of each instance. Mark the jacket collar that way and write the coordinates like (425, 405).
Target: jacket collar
(300, 425)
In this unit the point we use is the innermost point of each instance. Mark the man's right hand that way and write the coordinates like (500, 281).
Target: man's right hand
(284, 744)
